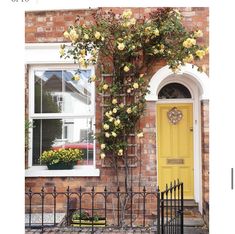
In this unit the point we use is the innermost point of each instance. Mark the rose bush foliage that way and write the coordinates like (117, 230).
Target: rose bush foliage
(127, 48)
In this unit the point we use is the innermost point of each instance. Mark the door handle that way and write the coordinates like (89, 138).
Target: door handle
(191, 129)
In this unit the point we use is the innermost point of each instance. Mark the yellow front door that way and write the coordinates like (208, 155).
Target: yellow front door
(175, 145)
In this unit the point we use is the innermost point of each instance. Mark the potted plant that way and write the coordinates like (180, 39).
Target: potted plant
(61, 159)
(83, 219)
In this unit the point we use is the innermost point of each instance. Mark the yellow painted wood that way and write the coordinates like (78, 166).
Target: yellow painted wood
(175, 148)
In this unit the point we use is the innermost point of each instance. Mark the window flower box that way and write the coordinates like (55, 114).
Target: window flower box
(61, 159)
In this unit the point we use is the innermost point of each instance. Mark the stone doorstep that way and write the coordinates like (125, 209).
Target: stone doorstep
(194, 222)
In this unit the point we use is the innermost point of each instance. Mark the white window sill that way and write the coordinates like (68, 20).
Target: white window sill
(78, 171)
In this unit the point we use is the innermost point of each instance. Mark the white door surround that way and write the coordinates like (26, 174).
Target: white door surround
(198, 85)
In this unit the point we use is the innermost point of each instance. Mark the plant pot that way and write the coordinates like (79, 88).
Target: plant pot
(61, 166)
(88, 223)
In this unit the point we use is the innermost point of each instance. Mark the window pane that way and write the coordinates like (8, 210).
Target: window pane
(63, 133)
(57, 92)
(174, 90)
(77, 93)
(48, 89)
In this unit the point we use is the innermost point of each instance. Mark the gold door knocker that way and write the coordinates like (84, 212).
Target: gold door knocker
(174, 115)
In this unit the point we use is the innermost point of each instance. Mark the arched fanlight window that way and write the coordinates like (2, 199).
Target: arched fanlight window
(174, 90)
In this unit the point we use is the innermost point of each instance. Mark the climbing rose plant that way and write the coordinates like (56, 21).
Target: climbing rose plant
(127, 48)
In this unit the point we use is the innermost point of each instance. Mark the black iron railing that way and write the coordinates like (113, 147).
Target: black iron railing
(129, 209)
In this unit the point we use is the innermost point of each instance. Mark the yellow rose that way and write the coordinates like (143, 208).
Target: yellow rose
(102, 156)
(66, 34)
(102, 38)
(83, 51)
(114, 110)
(156, 32)
(114, 101)
(140, 134)
(81, 61)
(102, 146)
(105, 87)
(126, 69)
(132, 21)
(110, 112)
(188, 59)
(121, 105)
(76, 77)
(107, 114)
(73, 35)
(129, 90)
(200, 53)
(121, 46)
(97, 35)
(120, 152)
(117, 122)
(111, 119)
(129, 110)
(61, 51)
(135, 85)
(198, 33)
(86, 36)
(114, 134)
(147, 29)
(127, 14)
(93, 77)
(107, 135)
(105, 126)
(193, 41)
(189, 42)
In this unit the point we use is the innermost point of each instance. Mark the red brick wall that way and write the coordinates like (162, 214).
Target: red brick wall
(48, 26)
(205, 158)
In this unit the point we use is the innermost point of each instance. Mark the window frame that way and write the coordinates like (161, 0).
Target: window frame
(40, 170)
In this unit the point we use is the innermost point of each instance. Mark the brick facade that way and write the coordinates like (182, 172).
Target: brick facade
(48, 27)
(205, 158)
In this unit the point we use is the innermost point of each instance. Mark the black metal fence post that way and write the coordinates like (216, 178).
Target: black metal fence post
(182, 209)
(158, 211)
(54, 194)
(118, 205)
(162, 213)
(42, 197)
(144, 209)
(68, 199)
(92, 208)
(30, 206)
